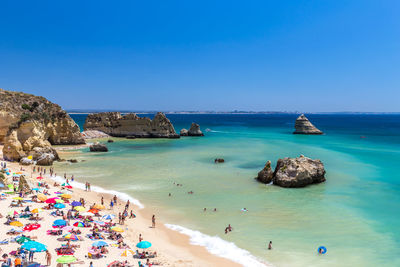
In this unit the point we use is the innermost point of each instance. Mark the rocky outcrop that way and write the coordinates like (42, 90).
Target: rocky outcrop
(97, 147)
(293, 172)
(219, 160)
(23, 184)
(44, 156)
(184, 132)
(28, 121)
(266, 175)
(110, 141)
(118, 125)
(92, 134)
(26, 161)
(195, 130)
(304, 126)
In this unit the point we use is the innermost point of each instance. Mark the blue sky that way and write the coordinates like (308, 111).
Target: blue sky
(204, 55)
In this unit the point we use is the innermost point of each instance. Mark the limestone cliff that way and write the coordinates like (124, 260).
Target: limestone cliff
(304, 126)
(117, 125)
(28, 121)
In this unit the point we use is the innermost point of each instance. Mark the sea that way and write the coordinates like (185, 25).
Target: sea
(355, 214)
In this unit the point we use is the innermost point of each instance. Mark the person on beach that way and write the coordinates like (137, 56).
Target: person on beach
(230, 228)
(132, 215)
(153, 221)
(119, 218)
(205, 209)
(31, 255)
(270, 245)
(140, 238)
(215, 209)
(102, 200)
(48, 258)
(111, 204)
(89, 187)
(115, 199)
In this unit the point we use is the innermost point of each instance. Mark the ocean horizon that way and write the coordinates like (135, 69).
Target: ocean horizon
(354, 214)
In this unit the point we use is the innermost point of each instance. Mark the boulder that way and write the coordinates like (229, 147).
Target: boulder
(304, 126)
(219, 160)
(26, 161)
(44, 156)
(298, 172)
(184, 132)
(73, 160)
(97, 147)
(266, 175)
(23, 184)
(110, 141)
(195, 130)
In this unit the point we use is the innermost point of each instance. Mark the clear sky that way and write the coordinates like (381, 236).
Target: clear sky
(204, 55)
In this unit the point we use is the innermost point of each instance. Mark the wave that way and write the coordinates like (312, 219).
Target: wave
(217, 246)
(120, 195)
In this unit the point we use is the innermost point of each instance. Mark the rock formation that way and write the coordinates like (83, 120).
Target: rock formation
(266, 175)
(28, 121)
(304, 126)
(92, 134)
(184, 132)
(219, 160)
(97, 147)
(44, 156)
(195, 130)
(23, 184)
(293, 172)
(117, 125)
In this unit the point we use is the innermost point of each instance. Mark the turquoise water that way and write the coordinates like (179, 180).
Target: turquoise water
(355, 214)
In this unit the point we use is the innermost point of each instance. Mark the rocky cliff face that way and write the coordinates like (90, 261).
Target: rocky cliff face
(117, 125)
(293, 172)
(304, 126)
(28, 121)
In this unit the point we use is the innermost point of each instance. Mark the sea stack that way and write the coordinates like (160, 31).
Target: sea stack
(195, 130)
(304, 126)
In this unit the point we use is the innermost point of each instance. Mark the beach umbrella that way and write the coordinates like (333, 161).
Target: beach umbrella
(126, 252)
(143, 244)
(16, 223)
(87, 214)
(32, 227)
(94, 211)
(100, 223)
(117, 229)
(79, 208)
(59, 223)
(2, 185)
(59, 206)
(79, 224)
(99, 207)
(66, 259)
(72, 237)
(68, 186)
(34, 246)
(22, 239)
(76, 203)
(51, 201)
(39, 177)
(108, 216)
(67, 196)
(36, 210)
(68, 228)
(41, 197)
(36, 189)
(99, 243)
(19, 173)
(18, 198)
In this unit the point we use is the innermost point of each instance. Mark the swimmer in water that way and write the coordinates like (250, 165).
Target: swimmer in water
(270, 245)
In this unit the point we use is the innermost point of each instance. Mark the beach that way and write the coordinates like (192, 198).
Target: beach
(173, 248)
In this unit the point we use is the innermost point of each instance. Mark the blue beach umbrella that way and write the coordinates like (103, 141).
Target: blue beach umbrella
(58, 223)
(34, 246)
(100, 223)
(143, 244)
(76, 203)
(35, 189)
(99, 243)
(59, 206)
(108, 217)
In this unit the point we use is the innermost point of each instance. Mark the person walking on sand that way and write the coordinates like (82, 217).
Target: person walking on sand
(111, 204)
(48, 258)
(153, 221)
(102, 200)
(115, 199)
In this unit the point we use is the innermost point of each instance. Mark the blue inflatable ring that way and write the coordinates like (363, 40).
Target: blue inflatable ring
(323, 249)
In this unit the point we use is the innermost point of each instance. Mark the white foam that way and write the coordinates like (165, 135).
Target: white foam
(217, 246)
(120, 195)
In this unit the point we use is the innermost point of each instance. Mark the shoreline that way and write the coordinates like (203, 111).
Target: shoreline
(174, 247)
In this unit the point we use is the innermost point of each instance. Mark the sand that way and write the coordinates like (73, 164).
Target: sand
(173, 248)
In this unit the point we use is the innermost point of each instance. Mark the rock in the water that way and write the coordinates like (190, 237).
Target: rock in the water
(97, 147)
(184, 132)
(44, 156)
(28, 121)
(110, 141)
(73, 160)
(91, 134)
(219, 160)
(130, 137)
(266, 175)
(298, 172)
(304, 126)
(117, 125)
(195, 130)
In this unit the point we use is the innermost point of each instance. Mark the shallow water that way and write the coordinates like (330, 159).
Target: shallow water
(355, 214)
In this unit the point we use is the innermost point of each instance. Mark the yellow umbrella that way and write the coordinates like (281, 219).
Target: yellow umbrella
(68, 196)
(125, 253)
(18, 198)
(42, 197)
(18, 172)
(99, 207)
(36, 210)
(16, 223)
(79, 208)
(117, 229)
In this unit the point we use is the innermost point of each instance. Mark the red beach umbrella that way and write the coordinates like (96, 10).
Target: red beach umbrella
(69, 187)
(94, 211)
(39, 177)
(31, 227)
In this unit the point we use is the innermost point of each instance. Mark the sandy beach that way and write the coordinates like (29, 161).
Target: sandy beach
(173, 248)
